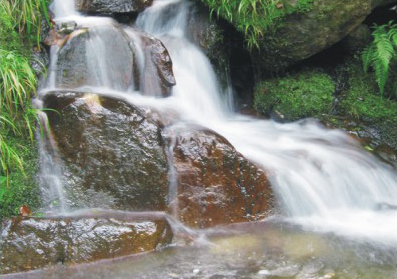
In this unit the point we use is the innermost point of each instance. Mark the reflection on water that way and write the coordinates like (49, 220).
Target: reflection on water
(262, 250)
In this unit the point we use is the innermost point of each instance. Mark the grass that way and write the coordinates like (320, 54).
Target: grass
(255, 17)
(20, 25)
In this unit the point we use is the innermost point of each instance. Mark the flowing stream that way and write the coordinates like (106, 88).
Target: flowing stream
(324, 181)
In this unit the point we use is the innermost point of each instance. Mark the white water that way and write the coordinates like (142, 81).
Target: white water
(322, 178)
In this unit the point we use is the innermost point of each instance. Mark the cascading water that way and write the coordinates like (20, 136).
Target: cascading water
(322, 178)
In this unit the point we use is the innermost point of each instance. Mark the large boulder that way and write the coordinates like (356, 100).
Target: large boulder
(110, 147)
(216, 184)
(32, 243)
(112, 6)
(129, 59)
(302, 34)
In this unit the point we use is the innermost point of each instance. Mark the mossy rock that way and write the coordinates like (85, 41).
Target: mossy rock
(360, 100)
(304, 94)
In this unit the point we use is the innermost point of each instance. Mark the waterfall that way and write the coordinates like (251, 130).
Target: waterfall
(322, 178)
(64, 8)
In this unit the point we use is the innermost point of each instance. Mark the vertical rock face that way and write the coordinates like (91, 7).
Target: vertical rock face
(216, 184)
(109, 147)
(32, 243)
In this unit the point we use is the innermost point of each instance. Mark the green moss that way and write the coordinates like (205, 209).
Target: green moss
(22, 187)
(361, 100)
(18, 183)
(305, 94)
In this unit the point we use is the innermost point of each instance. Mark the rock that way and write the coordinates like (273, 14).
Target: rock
(216, 184)
(32, 243)
(302, 34)
(76, 65)
(40, 62)
(109, 147)
(158, 77)
(357, 39)
(207, 33)
(130, 59)
(112, 6)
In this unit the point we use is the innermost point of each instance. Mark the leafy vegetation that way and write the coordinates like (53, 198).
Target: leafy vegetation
(360, 99)
(255, 17)
(305, 94)
(20, 22)
(381, 55)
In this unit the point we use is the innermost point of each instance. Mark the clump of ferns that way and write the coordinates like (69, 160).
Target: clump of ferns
(381, 56)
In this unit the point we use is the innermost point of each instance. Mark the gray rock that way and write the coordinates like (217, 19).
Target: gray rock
(112, 6)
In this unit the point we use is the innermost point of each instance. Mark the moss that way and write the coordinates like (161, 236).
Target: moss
(304, 94)
(360, 100)
(22, 188)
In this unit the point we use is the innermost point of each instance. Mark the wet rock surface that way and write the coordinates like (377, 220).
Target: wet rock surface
(158, 77)
(301, 35)
(216, 184)
(77, 65)
(32, 243)
(109, 147)
(112, 6)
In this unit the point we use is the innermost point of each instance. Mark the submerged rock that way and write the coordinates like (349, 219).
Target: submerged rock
(32, 243)
(216, 184)
(108, 146)
(112, 6)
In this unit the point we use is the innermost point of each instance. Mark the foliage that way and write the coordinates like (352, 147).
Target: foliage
(381, 54)
(27, 15)
(18, 152)
(305, 94)
(255, 17)
(360, 99)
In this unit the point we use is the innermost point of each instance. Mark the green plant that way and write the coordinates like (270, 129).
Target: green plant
(255, 17)
(304, 94)
(20, 21)
(381, 54)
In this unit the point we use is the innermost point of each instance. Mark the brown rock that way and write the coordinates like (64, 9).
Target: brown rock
(32, 243)
(216, 184)
(109, 148)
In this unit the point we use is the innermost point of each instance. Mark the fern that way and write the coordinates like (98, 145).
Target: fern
(381, 53)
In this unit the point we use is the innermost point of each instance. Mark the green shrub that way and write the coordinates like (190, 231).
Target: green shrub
(381, 54)
(304, 94)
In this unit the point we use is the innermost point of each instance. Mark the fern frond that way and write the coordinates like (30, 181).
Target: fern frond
(366, 57)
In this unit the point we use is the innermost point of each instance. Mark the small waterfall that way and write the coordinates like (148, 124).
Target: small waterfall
(322, 177)
(53, 192)
(64, 8)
